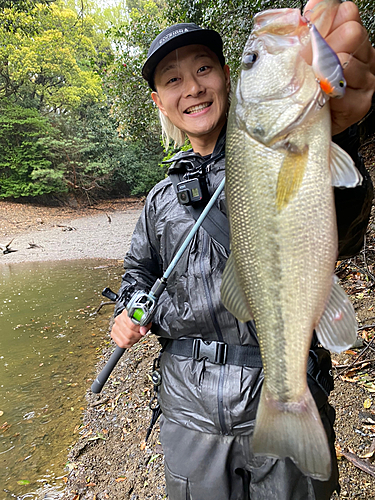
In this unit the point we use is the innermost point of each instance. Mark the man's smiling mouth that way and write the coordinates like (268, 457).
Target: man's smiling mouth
(197, 108)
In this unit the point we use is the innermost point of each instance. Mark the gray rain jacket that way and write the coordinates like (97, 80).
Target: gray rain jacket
(219, 399)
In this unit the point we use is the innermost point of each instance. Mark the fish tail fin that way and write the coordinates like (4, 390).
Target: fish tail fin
(293, 430)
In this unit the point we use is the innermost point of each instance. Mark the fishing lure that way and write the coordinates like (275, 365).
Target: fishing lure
(326, 66)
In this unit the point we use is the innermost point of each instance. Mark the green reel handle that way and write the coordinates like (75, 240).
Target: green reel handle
(141, 307)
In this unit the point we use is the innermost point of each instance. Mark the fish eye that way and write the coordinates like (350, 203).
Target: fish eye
(249, 60)
(341, 83)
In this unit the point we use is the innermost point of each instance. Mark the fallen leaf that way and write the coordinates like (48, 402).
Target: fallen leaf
(371, 451)
(347, 379)
(338, 451)
(143, 445)
(87, 434)
(1, 413)
(23, 482)
(120, 479)
(367, 403)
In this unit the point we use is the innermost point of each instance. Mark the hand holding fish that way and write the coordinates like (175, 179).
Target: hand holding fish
(349, 39)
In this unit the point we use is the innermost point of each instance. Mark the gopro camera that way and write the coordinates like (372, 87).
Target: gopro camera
(192, 191)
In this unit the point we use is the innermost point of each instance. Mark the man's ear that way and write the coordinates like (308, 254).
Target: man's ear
(227, 76)
(155, 97)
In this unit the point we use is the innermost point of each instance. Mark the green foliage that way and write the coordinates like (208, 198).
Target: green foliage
(139, 169)
(96, 161)
(25, 169)
(22, 5)
(367, 11)
(75, 112)
(171, 152)
(83, 155)
(129, 93)
(46, 58)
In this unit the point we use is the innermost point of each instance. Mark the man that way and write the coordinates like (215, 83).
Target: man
(209, 407)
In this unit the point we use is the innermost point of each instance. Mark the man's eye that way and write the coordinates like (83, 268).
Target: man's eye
(203, 68)
(172, 80)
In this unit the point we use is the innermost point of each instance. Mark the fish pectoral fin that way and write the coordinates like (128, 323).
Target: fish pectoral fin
(293, 429)
(337, 328)
(232, 295)
(343, 170)
(290, 177)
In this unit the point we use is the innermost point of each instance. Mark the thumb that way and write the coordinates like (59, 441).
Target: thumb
(144, 329)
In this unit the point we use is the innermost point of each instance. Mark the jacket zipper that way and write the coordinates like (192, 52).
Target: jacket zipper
(220, 390)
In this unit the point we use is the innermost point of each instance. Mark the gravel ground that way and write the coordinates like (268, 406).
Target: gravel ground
(55, 234)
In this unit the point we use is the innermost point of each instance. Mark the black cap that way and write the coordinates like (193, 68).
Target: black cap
(177, 36)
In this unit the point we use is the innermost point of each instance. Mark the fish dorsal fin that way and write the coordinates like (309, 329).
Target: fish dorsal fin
(337, 329)
(343, 170)
(290, 177)
(232, 295)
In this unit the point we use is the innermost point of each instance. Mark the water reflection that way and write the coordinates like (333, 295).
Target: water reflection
(48, 342)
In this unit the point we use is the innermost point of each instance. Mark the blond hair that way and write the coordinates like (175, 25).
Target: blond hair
(170, 132)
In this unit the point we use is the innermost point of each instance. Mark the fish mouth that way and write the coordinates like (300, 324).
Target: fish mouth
(197, 107)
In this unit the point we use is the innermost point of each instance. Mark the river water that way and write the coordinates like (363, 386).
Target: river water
(49, 342)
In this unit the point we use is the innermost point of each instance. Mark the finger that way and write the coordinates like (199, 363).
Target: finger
(125, 338)
(356, 73)
(351, 38)
(124, 332)
(345, 112)
(144, 329)
(346, 12)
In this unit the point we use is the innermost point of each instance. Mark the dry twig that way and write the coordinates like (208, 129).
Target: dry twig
(100, 306)
(358, 462)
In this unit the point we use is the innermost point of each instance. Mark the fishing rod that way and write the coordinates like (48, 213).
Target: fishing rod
(141, 305)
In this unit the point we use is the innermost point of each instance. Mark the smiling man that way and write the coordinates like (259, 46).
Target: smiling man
(192, 91)
(210, 364)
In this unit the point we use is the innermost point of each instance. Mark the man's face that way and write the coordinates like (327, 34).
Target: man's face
(192, 90)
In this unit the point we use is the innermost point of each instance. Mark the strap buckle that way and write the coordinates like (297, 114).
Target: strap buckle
(215, 352)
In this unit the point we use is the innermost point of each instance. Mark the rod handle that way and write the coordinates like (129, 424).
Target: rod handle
(102, 378)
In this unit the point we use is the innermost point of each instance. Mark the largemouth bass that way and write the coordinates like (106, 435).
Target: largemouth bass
(280, 169)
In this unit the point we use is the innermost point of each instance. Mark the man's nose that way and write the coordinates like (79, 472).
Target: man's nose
(192, 86)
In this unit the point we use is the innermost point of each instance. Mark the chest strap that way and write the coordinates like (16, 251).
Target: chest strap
(215, 352)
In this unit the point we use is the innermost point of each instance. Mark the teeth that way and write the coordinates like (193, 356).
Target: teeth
(195, 109)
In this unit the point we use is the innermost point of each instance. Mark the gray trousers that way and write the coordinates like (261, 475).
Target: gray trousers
(205, 466)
